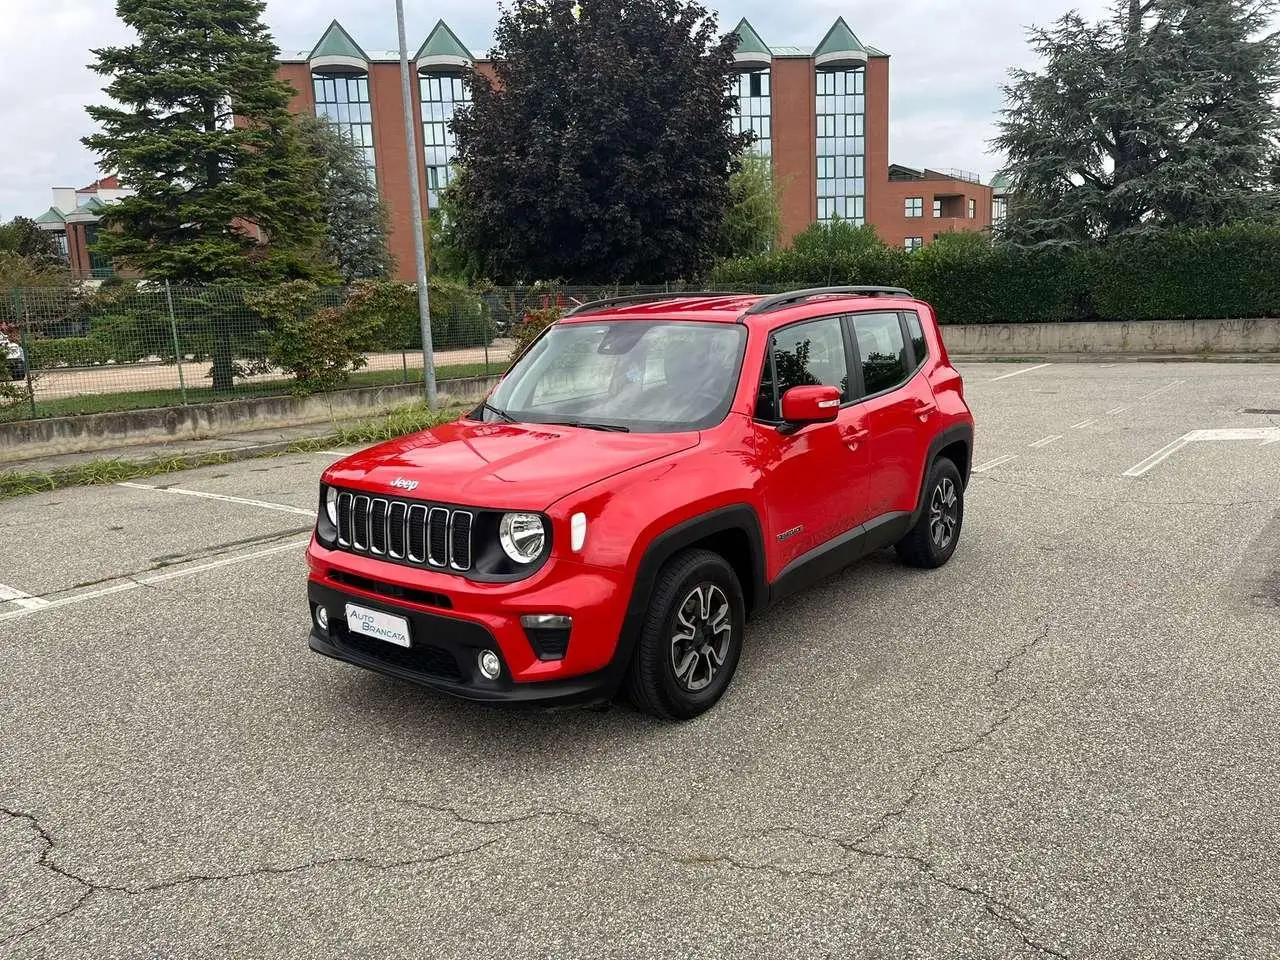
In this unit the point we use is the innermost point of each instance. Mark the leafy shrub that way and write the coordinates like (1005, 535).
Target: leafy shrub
(69, 352)
(532, 323)
(822, 255)
(459, 316)
(320, 345)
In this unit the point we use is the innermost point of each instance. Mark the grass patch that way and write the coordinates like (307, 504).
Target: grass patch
(106, 470)
(145, 399)
(17, 483)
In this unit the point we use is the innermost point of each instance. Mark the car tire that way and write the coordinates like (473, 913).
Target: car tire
(674, 672)
(933, 539)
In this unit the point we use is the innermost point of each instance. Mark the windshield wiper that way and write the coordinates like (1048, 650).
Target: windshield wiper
(588, 425)
(500, 414)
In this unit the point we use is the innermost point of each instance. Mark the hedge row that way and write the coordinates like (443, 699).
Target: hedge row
(1225, 273)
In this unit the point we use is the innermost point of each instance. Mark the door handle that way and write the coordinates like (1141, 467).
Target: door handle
(924, 408)
(852, 437)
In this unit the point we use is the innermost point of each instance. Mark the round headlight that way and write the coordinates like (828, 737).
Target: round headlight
(331, 504)
(522, 536)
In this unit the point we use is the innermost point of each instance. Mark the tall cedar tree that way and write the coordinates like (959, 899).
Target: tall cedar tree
(604, 151)
(355, 217)
(200, 179)
(1160, 116)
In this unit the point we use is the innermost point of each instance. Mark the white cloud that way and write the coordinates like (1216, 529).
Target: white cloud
(949, 57)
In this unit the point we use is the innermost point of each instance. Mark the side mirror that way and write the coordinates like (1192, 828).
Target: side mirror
(805, 405)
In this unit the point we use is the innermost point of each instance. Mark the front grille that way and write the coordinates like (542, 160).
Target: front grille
(405, 531)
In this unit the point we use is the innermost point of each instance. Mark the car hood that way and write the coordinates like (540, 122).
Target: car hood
(500, 465)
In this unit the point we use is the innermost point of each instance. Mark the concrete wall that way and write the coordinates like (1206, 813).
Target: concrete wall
(1137, 337)
(32, 439)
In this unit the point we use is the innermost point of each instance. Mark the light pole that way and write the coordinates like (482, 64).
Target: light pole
(415, 194)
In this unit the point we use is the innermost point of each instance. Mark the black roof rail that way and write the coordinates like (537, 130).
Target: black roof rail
(637, 298)
(779, 300)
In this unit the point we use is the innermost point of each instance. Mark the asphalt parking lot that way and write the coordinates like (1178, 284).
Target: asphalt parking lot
(1064, 743)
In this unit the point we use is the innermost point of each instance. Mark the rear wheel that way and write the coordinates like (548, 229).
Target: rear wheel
(933, 539)
(692, 637)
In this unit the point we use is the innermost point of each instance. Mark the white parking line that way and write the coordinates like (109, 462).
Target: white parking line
(1114, 410)
(1045, 441)
(1018, 373)
(1265, 435)
(154, 579)
(1157, 392)
(1082, 424)
(265, 505)
(992, 464)
(24, 600)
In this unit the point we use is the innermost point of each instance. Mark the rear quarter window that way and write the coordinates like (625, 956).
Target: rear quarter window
(919, 345)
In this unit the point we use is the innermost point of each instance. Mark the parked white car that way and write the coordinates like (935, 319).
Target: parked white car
(14, 357)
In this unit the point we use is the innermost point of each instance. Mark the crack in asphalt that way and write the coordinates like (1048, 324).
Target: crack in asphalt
(995, 907)
(1018, 653)
(91, 888)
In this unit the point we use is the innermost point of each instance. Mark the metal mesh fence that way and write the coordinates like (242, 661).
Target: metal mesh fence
(73, 350)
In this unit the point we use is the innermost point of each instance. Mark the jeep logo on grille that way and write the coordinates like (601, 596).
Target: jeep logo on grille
(403, 484)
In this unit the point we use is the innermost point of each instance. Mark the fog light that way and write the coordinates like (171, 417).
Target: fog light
(490, 665)
(322, 618)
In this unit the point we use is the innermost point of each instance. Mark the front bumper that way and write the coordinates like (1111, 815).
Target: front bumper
(467, 619)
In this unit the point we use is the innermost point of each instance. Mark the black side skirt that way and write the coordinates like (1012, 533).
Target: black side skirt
(834, 555)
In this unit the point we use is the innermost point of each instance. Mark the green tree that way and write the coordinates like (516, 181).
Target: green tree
(1161, 115)
(23, 237)
(215, 200)
(604, 152)
(753, 218)
(355, 217)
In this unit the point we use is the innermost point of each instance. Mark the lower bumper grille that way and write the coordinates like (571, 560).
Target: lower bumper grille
(421, 658)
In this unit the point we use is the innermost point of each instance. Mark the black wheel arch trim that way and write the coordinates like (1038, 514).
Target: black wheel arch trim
(737, 518)
(959, 433)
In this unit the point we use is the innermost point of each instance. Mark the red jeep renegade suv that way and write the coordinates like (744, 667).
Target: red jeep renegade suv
(649, 473)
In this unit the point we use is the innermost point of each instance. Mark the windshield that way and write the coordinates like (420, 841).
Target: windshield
(642, 376)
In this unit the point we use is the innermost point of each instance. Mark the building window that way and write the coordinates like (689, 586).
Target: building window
(343, 98)
(913, 243)
(99, 266)
(999, 210)
(753, 109)
(914, 207)
(442, 94)
(842, 145)
(937, 207)
(973, 209)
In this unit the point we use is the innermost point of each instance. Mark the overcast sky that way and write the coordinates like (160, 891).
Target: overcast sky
(948, 60)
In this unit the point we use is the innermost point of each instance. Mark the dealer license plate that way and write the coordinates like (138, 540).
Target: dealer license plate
(379, 625)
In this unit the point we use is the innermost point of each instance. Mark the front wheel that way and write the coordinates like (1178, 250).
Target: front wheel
(933, 539)
(692, 637)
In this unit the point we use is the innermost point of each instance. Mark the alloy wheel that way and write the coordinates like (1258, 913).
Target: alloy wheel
(944, 513)
(703, 633)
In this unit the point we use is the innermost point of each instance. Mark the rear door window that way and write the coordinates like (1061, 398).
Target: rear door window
(882, 350)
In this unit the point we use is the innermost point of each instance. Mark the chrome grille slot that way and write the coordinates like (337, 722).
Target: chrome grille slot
(396, 530)
(460, 540)
(412, 533)
(416, 548)
(360, 524)
(344, 519)
(438, 537)
(378, 525)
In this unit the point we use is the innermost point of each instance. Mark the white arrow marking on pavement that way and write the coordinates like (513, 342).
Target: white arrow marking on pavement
(1268, 436)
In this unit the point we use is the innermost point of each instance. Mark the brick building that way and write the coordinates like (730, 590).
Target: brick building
(821, 113)
(72, 221)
